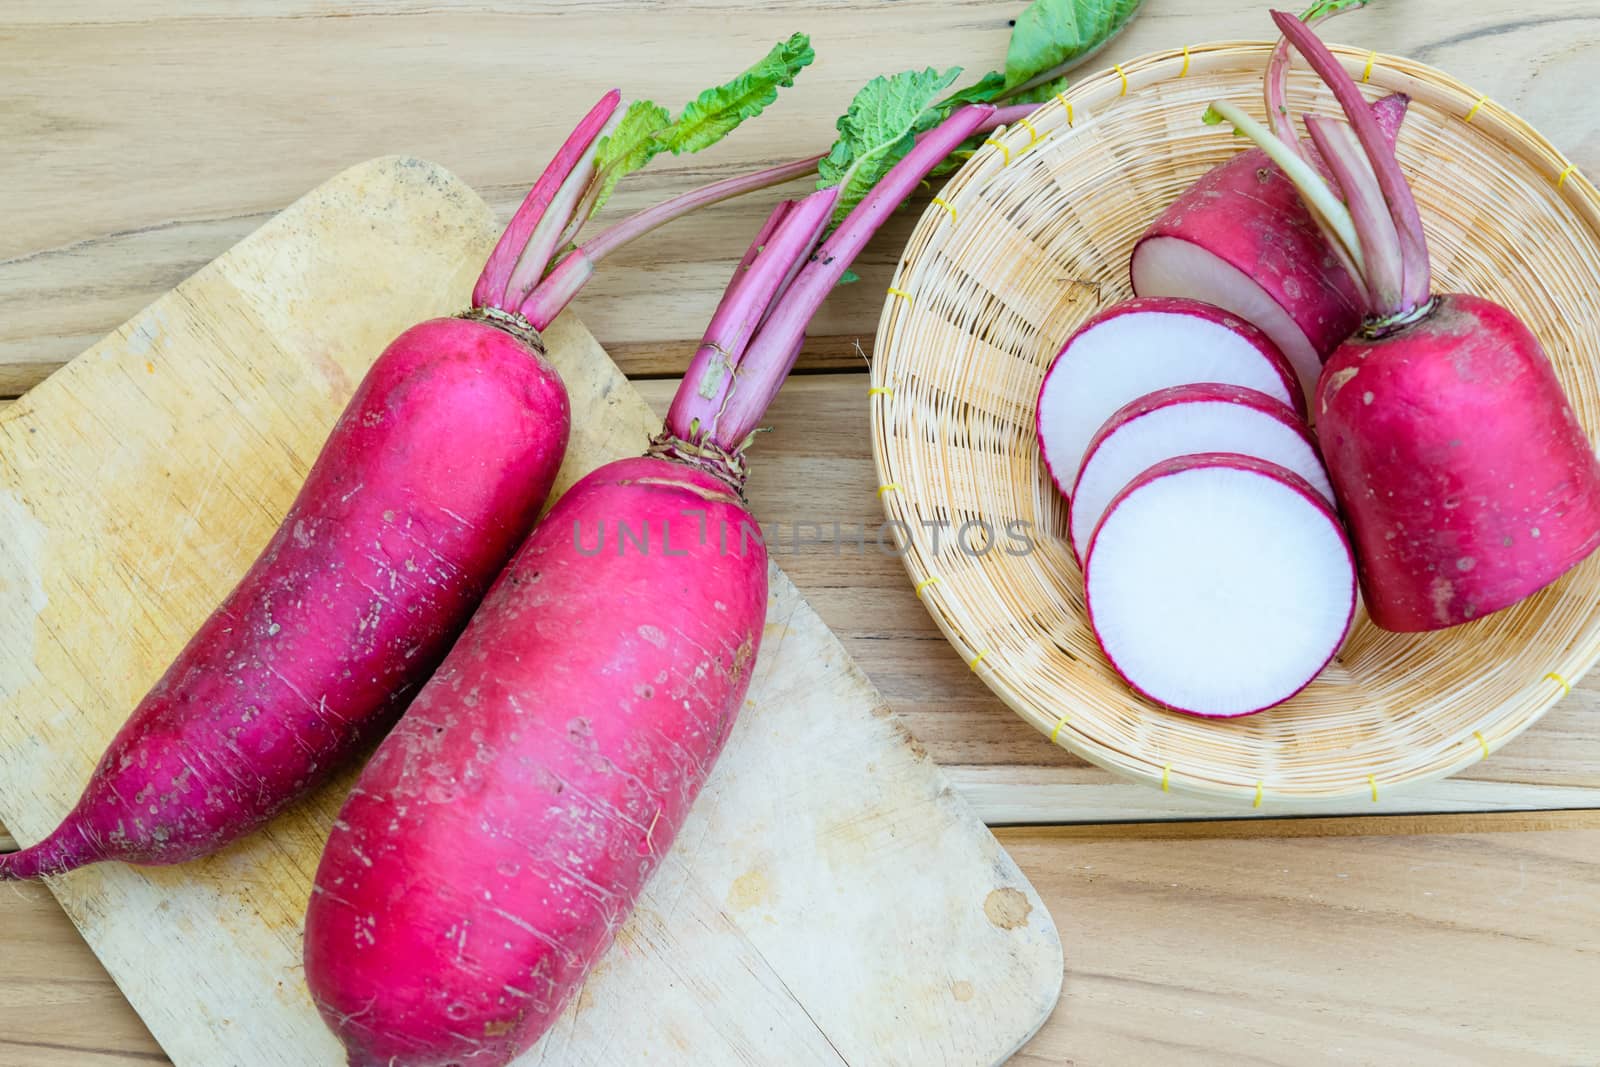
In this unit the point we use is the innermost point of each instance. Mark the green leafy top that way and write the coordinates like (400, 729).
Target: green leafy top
(879, 129)
(715, 113)
(1324, 8)
(647, 129)
(888, 113)
(1052, 35)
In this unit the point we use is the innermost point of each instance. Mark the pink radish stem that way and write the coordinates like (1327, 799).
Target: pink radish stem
(636, 226)
(1384, 275)
(544, 241)
(771, 353)
(1402, 205)
(562, 282)
(490, 290)
(712, 376)
(629, 229)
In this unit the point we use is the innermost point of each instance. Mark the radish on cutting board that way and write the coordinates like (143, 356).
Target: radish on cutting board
(1137, 347)
(1219, 585)
(1240, 238)
(500, 836)
(1181, 421)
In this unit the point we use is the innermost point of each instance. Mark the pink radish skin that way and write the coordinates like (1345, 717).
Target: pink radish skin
(433, 474)
(1242, 239)
(1185, 420)
(1466, 477)
(496, 841)
(504, 830)
(1219, 585)
(1136, 347)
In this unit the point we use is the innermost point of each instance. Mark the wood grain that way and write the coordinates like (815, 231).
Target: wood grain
(1445, 943)
(138, 483)
(1467, 949)
(274, 98)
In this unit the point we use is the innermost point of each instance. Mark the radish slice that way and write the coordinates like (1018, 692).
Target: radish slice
(1137, 347)
(1181, 421)
(1167, 265)
(1219, 585)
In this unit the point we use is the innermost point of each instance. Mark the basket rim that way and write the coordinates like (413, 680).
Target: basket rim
(1071, 111)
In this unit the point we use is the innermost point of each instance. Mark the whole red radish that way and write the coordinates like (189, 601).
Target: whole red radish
(502, 833)
(1463, 472)
(429, 481)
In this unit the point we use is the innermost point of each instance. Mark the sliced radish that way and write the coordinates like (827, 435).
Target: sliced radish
(1219, 585)
(1299, 303)
(1137, 347)
(1180, 421)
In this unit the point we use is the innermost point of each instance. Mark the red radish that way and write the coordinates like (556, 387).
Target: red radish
(1466, 478)
(504, 829)
(1240, 238)
(432, 476)
(1136, 347)
(1219, 585)
(1181, 421)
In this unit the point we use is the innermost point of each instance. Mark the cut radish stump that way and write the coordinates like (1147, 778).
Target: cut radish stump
(1219, 585)
(1137, 347)
(1182, 421)
(1240, 238)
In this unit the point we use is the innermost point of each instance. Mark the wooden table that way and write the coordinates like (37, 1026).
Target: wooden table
(1458, 924)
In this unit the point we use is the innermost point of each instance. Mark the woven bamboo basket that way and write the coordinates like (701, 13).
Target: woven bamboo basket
(1031, 237)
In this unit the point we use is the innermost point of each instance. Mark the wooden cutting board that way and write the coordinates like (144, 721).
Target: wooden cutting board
(830, 900)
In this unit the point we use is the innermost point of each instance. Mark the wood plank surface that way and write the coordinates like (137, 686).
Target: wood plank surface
(1293, 942)
(1186, 949)
(138, 483)
(276, 97)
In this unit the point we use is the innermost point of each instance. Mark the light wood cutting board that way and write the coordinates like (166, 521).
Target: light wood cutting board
(830, 901)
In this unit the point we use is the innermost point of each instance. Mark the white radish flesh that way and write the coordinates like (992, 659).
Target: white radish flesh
(1181, 421)
(1137, 347)
(1219, 585)
(1170, 266)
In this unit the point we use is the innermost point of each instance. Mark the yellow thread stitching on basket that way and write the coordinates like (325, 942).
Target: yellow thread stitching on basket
(942, 202)
(1372, 780)
(1003, 149)
(881, 390)
(1481, 101)
(1123, 75)
(1259, 790)
(1059, 724)
(1366, 75)
(922, 585)
(902, 294)
(1566, 686)
(1166, 772)
(972, 664)
(1561, 179)
(888, 487)
(1033, 134)
(1483, 744)
(1066, 104)
(1184, 73)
